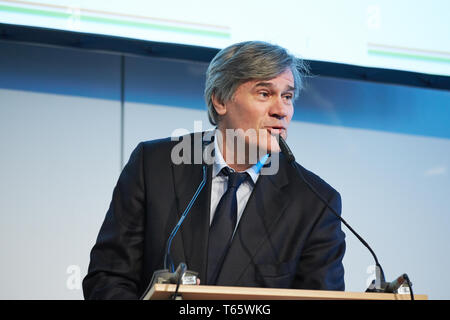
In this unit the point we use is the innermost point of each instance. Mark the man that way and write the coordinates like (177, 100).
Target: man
(247, 226)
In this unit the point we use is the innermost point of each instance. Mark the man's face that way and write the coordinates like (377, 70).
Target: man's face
(266, 106)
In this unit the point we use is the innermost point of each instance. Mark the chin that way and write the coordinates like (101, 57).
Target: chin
(268, 143)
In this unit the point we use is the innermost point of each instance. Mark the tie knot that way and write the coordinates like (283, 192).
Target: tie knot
(234, 178)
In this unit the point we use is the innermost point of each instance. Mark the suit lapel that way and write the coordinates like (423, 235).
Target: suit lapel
(193, 234)
(262, 212)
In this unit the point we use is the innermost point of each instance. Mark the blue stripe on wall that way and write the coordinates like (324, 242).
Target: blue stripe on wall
(165, 82)
(391, 108)
(59, 71)
(331, 101)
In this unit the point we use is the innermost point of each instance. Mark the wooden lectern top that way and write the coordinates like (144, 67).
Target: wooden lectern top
(193, 292)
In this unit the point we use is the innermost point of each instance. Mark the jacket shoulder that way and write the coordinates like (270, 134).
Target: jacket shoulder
(317, 182)
(167, 142)
(157, 144)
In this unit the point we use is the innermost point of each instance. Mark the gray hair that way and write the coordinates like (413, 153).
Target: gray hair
(245, 61)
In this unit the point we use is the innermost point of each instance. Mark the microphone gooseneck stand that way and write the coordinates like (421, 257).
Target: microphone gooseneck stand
(379, 284)
(170, 276)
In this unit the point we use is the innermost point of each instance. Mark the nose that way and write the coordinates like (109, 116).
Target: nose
(279, 109)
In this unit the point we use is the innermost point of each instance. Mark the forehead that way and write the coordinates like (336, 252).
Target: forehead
(283, 80)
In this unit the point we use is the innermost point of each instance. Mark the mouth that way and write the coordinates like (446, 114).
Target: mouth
(276, 130)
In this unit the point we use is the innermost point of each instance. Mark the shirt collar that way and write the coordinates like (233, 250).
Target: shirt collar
(219, 163)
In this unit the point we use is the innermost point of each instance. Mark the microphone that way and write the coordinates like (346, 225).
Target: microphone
(379, 284)
(379, 274)
(167, 257)
(181, 274)
(392, 287)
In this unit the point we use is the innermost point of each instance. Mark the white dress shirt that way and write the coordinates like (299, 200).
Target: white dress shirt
(219, 183)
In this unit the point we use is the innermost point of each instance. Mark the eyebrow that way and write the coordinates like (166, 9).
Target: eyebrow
(270, 85)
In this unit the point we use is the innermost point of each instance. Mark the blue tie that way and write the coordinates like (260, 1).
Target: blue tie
(224, 222)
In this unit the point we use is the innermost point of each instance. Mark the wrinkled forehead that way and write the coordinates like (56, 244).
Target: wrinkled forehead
(283, 82)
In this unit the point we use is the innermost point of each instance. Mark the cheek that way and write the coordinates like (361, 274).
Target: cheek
(250, 118)
(247, 114)
(290, 115)
(291, 110)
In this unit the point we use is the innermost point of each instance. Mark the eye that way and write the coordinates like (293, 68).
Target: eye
(263, 94)
(288, 97)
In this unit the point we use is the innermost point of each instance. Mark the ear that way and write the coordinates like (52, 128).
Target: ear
(220, 107)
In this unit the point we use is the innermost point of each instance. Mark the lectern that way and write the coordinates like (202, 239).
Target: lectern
(194, 292)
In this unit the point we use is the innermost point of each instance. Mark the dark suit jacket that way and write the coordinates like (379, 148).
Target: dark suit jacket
(286, 238)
